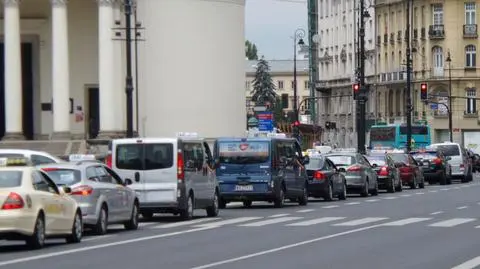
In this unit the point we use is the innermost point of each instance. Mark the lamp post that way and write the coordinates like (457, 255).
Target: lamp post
(298, 35)
(409, 106)
(450, 108)
(128, 78)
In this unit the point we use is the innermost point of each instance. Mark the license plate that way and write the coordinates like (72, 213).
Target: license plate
(244, 188)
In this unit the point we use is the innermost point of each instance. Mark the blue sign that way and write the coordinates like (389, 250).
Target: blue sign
(434, 106)
(265, 121)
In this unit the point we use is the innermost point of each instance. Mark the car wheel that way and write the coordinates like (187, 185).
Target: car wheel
(101, 227)
(343, 195)
(399, 187)
(37, 239)
(329, 195)
(212, 211)
(365, 190)
(303, 200)
(77, 230)
(132, 223)
(280, 199)
(187, 213)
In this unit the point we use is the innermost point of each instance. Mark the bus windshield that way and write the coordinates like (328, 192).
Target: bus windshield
(249, 152)
(386, 133)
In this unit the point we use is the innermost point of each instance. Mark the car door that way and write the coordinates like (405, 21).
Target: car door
(417, 170)
(334, 176)
(371, 173)
(109, 189)
(160, 175)
(49, 197)
(210, 171)
(284, 158)
(128, 162)
(194, 170)
(127, 195)
(300, 171)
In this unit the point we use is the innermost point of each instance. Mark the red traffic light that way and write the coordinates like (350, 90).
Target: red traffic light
(356, 87)
(296, 123)
(423, 86)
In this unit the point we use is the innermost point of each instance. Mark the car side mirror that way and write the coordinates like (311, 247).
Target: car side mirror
(341, 170)
(137, 177)
(448, 158)
(128, 182)
(67, 190)
(306, 160)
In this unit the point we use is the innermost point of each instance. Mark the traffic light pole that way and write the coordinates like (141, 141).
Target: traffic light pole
(409, 81)
(361, 120)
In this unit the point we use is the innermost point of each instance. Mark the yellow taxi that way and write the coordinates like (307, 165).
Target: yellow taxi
(33, 208)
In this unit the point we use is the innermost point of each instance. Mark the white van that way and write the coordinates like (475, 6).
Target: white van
(458, 160)
(170, 175)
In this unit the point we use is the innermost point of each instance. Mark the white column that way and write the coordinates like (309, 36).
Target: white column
(119, 62)
(60, 65)
(106, 50)
(13, 71)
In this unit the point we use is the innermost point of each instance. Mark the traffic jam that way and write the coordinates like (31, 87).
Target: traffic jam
(44, 196)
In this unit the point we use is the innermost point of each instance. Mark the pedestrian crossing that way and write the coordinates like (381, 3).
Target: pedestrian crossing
(287, 220)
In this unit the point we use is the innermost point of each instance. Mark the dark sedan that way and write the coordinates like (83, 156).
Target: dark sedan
(325, 180)
(388, 175)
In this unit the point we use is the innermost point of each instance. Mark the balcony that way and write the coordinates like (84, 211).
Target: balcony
(470, 31)
(440, 114)
(470, 114)
(436, 31)
(399, 37)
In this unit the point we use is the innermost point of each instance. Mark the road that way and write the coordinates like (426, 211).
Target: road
(432, 228)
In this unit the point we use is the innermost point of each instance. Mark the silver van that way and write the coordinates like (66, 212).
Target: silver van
(170, 175)
(457, 158)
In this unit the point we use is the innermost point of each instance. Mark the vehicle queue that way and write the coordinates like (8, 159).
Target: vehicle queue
(48, 197)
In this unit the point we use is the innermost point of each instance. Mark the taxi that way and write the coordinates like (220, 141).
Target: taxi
(33, 208)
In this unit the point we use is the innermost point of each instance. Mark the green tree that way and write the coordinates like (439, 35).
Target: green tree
(251, 50)
(278, 112)
(263, 87)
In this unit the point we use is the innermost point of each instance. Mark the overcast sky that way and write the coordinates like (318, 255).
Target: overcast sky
(270, 24)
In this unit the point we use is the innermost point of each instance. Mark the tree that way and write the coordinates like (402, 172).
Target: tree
(251, 50)
(263, 87)
(278, 112)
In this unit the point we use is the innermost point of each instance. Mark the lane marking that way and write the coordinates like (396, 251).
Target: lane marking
(436, 213)
(451, 222)
(228, 221)
(456, 188)
(432, 191)
(406, 195)
(315, 221)
(270, 221)
(106, 245)
(390, 198)
(444, 189)
(405, 221)
(98, 237)
(330, 206)
(419, 193)
(305, 210)
(359, 222)
(372, 200)
(183, 223)
(352, 203)
(273, 250)
(462, 207)
(470, 264)
(279, 215)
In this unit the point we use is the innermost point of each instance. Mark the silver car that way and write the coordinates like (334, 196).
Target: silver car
(103, 196)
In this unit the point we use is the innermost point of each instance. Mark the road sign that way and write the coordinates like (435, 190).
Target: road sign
(265, 121)
(259, 108)
(434, 106)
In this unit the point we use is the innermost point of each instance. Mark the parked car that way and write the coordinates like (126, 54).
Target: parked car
(435, 166)
(388, 174)
(325, 180)
(461, 167)
(36, 157)
(411, 172)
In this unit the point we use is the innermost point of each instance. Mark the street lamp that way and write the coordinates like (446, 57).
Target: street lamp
(450, 108)
(298, 35)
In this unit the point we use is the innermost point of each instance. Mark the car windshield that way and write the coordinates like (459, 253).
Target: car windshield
(342, 160)
(10, 179)
(399, 157)
(449, 150)
(376, 160)
(63, 177)
(424, 155)
(315, 163)
(249, 152)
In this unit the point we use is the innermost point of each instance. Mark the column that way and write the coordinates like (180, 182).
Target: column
(106, 69)
(13, 72)
(119, 76)
(60, 71)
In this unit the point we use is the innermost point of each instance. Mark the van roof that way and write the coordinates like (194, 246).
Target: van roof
(150, 140)
(229, 139)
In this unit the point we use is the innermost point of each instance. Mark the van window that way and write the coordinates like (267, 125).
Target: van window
(249, 152)
(144, 156)
(449, 150)
(193, 155)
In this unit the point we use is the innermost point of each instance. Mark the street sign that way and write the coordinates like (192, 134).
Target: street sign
(434, 106)
(259, 108)
(265, 121)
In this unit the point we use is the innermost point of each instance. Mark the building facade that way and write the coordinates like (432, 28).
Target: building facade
(444, 40)
(64, 68)
(338, 25)
(281, 72)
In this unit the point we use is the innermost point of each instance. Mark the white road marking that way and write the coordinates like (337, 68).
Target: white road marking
(315, 221)
(445, 189)
(451, 222)
(372, 200)
(279, 215)
(456, 188)
(406, 195)
(436, 213)
(418, 193)
(330, 206)
(228, 221)
(462, 207)
(405, 221)
(273, 250)
(352, 203)
(183, 223)
(305, 210)
(270, 221)
(432, 191)
(470, 264)
(106, 245)
(145, 224)
(359, 222)
(97, 237)
(390, 198)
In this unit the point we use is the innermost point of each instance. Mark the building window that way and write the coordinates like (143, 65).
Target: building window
(437, 61)
(471, 102)
(280, 84)
(470, 56)
(470, 13)
(248, 84)
(306, 84)
(306, 103)
(437, 14)
(292, 84)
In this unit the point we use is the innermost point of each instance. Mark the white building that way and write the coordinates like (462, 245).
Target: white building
(64, 72)
(338, 25)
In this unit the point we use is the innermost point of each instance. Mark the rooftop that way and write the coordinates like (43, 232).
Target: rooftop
(279, 66)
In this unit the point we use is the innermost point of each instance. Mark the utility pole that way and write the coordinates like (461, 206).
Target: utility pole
(129, 79)
(450, 103)
(313, 40)
(298, 35)
(409, 81)
(361, 101)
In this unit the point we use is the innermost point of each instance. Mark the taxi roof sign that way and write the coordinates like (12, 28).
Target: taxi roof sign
(345, 150)
(187, 134)
(81, 157)
(14, 161)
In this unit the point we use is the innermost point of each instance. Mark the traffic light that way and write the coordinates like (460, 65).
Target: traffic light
(285, 100)
(424, 91)
(296, 123)
(356, 91)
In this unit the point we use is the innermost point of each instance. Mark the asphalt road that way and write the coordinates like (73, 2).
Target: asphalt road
(432, 228)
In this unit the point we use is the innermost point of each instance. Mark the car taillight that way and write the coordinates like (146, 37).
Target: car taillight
(49, 169)
(319, 175)
(383, 171)
(83, 190)
(437, 161)
(108, 161)
(355, 168)
(14, 201)
(180, 167)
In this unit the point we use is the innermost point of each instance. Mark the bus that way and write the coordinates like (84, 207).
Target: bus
(395, 136)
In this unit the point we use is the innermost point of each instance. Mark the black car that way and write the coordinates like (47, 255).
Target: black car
(325, 180)
(388, 175)
(434, 165)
